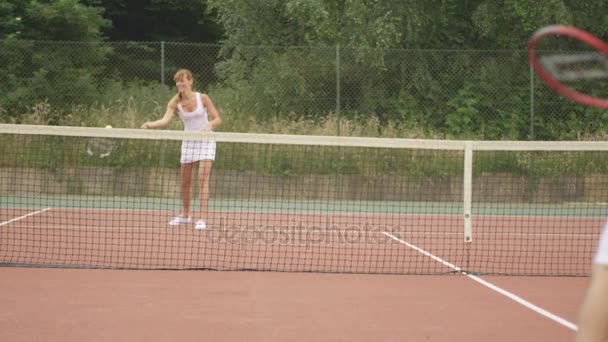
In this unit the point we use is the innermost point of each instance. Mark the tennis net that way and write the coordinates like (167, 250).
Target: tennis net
(102, 198)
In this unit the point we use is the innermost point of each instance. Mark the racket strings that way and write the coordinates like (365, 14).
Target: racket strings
(100, 147)
(574, 67)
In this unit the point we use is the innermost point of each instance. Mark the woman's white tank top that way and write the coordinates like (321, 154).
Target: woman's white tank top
(197, 120)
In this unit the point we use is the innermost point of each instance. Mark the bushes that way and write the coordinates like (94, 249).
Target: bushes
(481, 95)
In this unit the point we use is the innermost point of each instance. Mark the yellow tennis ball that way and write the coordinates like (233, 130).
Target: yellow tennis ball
(109, 126)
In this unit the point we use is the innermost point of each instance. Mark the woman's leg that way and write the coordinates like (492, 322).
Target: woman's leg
(186, 188)
(204, 171)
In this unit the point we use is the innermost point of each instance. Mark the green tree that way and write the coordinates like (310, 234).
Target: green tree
(302, 82)
(161, 20)
(34, 70)
(51, 20)
(591, 16)
(361, 23)
(508, 24)
(11, 17)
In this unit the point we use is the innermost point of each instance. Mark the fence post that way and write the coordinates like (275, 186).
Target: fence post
(162, 62)
(163, 147)
(531, 180)
(338, 89)
(531, 103)
(338, 186)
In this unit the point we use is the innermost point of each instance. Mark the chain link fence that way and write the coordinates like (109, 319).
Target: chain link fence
(444, 94)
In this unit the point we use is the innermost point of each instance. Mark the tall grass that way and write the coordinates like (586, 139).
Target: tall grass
(128, 106)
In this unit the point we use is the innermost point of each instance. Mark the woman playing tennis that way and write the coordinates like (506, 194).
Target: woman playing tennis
(195, 110)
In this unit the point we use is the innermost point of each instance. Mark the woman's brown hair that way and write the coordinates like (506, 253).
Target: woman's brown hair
(179, 75)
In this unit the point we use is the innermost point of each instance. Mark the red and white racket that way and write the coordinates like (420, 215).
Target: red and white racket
(572, 62)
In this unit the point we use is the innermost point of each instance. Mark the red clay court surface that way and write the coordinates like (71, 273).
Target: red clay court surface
(107, 305)
(46, 304)
(340, 243)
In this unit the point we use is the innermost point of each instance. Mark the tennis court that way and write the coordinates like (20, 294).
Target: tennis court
(342, 243)
(381, 247)
(111, 305)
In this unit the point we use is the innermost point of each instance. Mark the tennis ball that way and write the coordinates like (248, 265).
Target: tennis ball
(109, 126)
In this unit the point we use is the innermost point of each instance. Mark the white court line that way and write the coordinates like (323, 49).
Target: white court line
(24, 216)
(491, 286)
(506, 234)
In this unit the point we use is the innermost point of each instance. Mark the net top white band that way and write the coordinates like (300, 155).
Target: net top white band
(256, 138)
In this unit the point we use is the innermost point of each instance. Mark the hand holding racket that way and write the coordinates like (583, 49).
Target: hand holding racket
(572, 62)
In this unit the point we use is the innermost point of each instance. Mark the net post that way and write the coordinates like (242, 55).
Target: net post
(467, 191)
(338, 90)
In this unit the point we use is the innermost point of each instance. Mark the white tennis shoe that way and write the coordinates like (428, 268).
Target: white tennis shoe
(200, 225)
(179, 220)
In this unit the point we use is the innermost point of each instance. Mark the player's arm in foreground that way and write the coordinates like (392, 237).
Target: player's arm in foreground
(216, 120)
(593, 316)
(166, 119)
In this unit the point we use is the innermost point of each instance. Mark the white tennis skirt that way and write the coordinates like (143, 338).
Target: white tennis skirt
(193, 151)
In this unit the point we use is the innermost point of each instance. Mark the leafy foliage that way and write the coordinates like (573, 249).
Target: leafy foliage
(447, 68)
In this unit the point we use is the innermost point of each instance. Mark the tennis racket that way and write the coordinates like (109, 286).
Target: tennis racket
(100, 147)
(573, 62)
